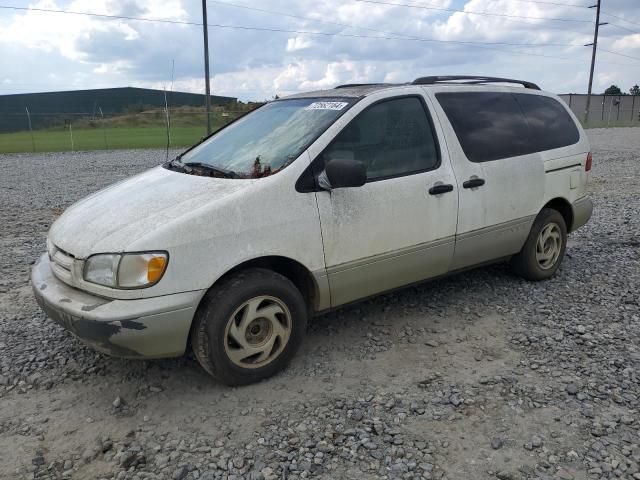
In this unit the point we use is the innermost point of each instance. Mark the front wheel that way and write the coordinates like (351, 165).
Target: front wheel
(249, 326)
(544, 249)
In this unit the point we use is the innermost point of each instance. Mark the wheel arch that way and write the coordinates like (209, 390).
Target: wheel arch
(295, 271)
(562, 206)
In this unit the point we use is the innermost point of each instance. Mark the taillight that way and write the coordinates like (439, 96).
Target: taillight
(587, 166)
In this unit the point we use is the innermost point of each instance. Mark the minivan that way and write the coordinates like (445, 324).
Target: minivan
(314, 201)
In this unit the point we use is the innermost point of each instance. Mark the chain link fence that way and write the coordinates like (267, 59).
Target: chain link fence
(606, 110)
(51, 132)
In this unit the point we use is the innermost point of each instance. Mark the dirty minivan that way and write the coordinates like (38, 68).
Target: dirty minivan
(310, 202)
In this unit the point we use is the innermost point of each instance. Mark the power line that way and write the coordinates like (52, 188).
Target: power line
(268, 29)
(623, 27)
(620, 18)
(514, 20)
(386, 32)
(404, 36)
(472, 44)
(504, 15)
(620, 54)
(573, 5)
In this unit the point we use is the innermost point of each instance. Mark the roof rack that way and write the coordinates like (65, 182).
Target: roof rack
(472, 80)
(351, 85)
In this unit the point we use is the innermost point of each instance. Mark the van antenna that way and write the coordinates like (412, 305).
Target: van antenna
(166, 115)
(166, 110)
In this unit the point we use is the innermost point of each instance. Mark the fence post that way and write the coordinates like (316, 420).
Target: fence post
(633, 106)
(33, 142)
(71, 134)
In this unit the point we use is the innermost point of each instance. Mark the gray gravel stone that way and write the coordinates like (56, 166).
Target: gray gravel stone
(395, 387)
(180, 473)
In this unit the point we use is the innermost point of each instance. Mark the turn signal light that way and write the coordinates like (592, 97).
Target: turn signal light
(155, 268)
(587, 166)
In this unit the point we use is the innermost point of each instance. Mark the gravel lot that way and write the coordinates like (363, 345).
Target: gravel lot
(477, 376)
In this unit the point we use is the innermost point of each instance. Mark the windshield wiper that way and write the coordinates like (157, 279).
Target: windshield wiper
(205, 166)
(190, 166)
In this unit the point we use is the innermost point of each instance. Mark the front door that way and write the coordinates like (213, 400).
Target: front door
(397, 228)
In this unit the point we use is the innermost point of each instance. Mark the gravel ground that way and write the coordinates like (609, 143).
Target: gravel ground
(477, 376)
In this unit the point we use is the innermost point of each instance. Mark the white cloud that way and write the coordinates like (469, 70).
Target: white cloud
(629, 44)
(605, 78)
(88, 52)
(298, 43)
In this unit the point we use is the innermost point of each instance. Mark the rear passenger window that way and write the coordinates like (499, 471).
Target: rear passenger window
(391, 138)
(495, 125)
(550, 124)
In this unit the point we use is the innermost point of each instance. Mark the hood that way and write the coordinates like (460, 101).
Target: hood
(111, 219)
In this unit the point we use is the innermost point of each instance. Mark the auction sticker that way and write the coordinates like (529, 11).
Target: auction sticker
(327, 106)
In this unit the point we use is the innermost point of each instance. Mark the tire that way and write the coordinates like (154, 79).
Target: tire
(249, 327)
(539, 259)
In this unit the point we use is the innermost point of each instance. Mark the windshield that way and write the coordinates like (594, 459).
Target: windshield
(269, 138)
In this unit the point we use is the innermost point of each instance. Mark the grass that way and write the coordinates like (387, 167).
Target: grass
(136, 130)
(99, 139)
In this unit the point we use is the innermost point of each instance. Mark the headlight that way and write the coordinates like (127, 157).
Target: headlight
(129, 270)
(102, 269)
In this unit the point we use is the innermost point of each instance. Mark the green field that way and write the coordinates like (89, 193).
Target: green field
(135, 130)
(99, 139)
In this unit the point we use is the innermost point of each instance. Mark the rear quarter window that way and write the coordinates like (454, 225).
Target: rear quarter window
(550, 124)
(496, 125)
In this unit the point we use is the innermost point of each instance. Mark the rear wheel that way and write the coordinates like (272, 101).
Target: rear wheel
(544, 249)
(249, 327)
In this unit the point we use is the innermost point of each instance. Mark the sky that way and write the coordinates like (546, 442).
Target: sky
(325, 43)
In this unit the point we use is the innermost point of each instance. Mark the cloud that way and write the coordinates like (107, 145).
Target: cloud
(48, 51)
(629, 44)
(298, 43)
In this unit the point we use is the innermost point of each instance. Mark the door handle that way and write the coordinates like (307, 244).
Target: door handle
(473, 183)
(438, 189)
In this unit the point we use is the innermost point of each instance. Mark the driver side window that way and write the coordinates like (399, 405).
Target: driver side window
(392, 138)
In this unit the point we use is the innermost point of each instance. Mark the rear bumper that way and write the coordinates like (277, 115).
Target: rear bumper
(142, 328)
(582, 210)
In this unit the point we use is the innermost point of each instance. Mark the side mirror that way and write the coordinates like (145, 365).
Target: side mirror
(345, 173)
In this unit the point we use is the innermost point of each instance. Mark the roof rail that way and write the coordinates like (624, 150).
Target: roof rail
(350, 85)
(472, 80)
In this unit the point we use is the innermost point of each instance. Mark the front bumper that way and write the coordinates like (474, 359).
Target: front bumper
(144, 328)
(582, 210)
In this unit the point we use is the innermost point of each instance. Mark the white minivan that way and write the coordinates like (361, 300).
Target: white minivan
(314, 201)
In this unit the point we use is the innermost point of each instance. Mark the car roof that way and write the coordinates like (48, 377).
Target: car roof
(362, 89)
(351, 91)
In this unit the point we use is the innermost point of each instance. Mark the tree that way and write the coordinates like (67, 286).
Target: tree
(635, 90)
(613, 90)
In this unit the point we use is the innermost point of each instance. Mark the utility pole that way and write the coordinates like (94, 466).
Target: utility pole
(593, 57)
(206, 63)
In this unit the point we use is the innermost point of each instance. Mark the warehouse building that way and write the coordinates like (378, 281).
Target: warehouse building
(48, 108)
